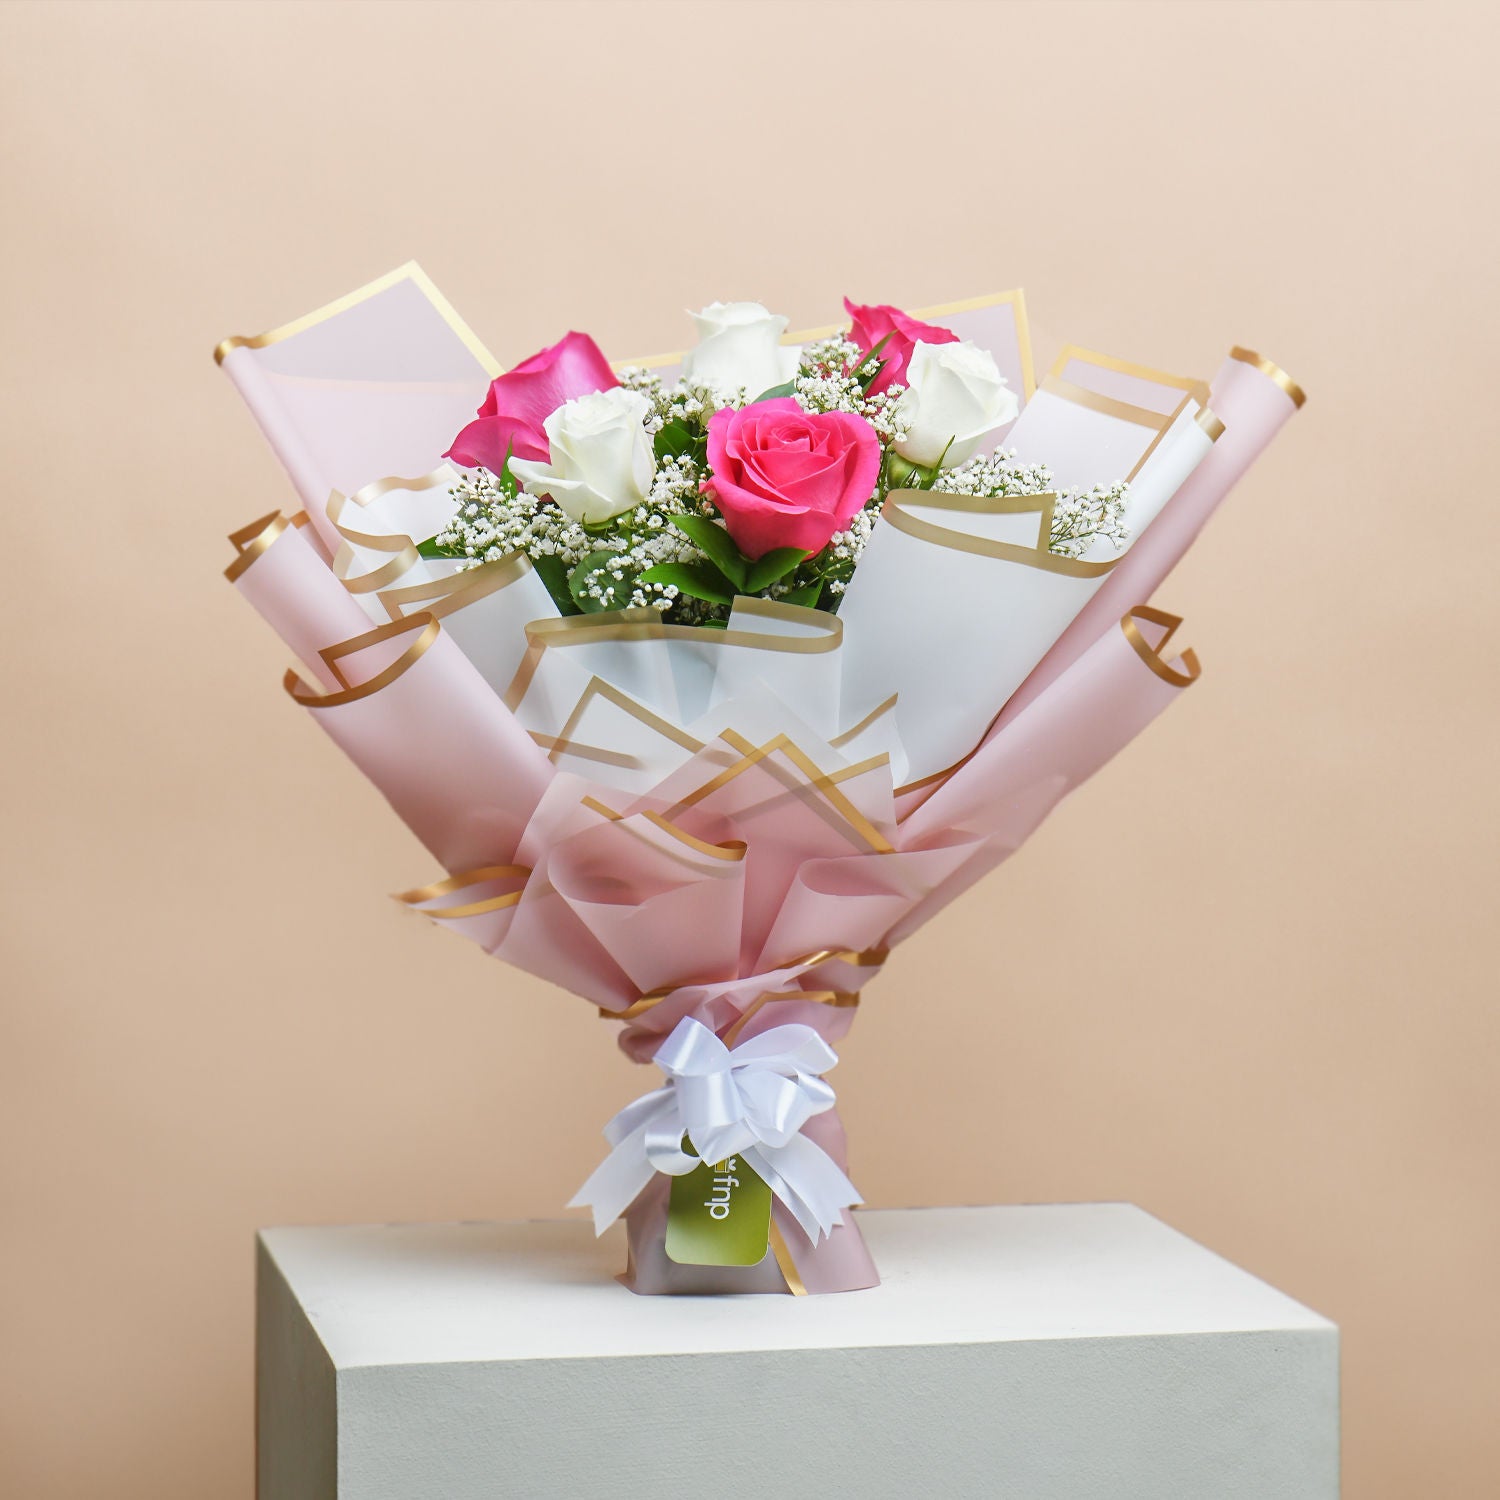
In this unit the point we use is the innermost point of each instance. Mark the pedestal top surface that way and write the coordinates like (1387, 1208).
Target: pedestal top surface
(400, 1294)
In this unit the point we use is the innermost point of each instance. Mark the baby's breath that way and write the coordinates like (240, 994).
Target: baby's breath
(496, 517)
(824, 383)
(1080, 517)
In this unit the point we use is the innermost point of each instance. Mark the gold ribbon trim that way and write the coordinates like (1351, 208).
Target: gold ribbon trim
(870, 958)
(1106, 406)
(1184, 383)
(1271, 372)
(309, 697)
(1155, 656)
(403, 546)
(647, 625)
(1039, 556)
(482, 876)
(788, 1267)
(411, 272)
(732, 849)
(822, 783)
(444, 596)
(255, 540)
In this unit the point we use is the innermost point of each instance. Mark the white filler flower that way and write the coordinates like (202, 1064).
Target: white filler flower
(739, 347)
(956, 397)
(602, 459)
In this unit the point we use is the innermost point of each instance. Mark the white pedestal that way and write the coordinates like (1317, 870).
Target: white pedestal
(1075, 1352)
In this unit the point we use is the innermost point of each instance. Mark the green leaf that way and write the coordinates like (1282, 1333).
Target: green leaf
(717, 545)
(508, 483)
(430, 549)
(775, 564)
(553, 572)
(937, 468)
(787, 388)
(902, 474)
(700, 580)
(616, 594)
(806, 596)
(675, 439)
(867, 379)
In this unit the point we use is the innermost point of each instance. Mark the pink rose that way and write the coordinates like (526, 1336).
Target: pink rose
(523, 398)
(871, 324)
(783, 477)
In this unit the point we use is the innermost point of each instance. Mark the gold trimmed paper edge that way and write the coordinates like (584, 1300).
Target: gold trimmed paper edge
(1107, 406)
(731, 850)
(310, 697)
(1143, 648)
(412, 272)
(823, 783)
(1272, 372)
(254, 541)
(1039, 556)
(646, 624)
(461, 881)
(787, 1266)
(1155, 656)
(1185, 383)
(868, 958)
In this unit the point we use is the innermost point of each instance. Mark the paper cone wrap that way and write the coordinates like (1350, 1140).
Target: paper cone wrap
(730, 827)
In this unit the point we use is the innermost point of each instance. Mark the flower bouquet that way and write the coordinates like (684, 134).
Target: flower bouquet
(707, 679)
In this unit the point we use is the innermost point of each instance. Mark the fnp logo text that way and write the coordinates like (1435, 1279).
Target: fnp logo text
(724, 1184)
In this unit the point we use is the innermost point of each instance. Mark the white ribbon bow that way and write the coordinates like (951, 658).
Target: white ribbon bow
(750, 1102)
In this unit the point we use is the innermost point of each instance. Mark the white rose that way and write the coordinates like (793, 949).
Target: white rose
(955, 398)
(739, 345)
(602, 459)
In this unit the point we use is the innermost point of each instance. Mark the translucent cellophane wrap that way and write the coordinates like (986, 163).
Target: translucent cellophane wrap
(734, 826)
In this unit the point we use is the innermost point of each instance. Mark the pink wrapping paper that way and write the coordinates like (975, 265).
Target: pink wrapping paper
(749, 887)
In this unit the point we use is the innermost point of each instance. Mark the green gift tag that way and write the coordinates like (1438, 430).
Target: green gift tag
(720, 1215)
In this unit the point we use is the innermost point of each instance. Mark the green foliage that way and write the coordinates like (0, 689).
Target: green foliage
(718, 546)
(867, 371)
(805, 594)
(699, 580)
(553, 572)
(676, 440)
(775, 565)
(615, 594)
(776, 392)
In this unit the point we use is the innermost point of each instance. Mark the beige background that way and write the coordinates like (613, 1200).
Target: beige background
(1245, 978)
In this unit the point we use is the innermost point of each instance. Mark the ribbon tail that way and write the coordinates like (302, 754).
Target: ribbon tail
(808, 1181)
(617, 1181)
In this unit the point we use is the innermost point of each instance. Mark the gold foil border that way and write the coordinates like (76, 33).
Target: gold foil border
(412, 272)
(647, 625)
(1185, 383)
(1155, 656)
(822, 783)
(309, 697)
(1039, 556)
(1272, 372)
(254, 541)
(403, 546)
(461, 881)
(784, 1262)
(731, 850)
